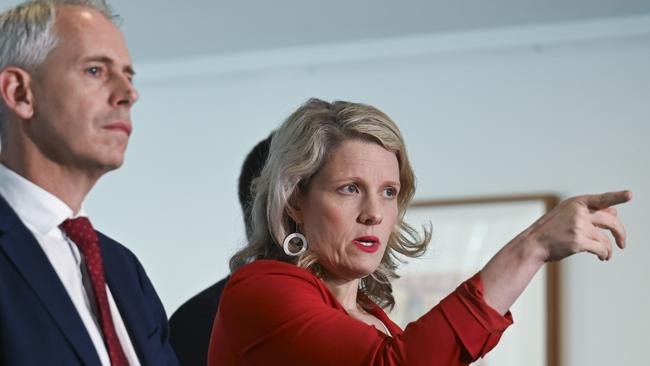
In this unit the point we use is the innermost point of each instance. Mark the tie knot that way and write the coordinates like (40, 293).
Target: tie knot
(80, 231)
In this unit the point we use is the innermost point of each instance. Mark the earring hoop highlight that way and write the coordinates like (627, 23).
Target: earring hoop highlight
(287, 241)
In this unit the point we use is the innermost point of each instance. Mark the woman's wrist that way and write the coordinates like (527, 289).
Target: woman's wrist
(530, 248)
(509, 271)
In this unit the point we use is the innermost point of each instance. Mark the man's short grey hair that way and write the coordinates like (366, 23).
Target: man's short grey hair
(26, 36)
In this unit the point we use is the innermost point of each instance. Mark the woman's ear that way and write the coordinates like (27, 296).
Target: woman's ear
(294, 207)
(16, 91)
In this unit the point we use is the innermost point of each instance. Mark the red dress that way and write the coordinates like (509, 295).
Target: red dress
(275, 313)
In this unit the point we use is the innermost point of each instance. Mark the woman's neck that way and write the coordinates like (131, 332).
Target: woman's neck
(345, 291)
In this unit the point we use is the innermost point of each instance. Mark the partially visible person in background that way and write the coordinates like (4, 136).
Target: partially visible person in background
(69, 295)
(328, 219)
(191, 325)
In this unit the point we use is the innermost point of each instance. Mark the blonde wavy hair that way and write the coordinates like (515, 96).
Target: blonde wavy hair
(299, 149)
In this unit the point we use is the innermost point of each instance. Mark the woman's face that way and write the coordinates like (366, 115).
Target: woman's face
(350, 209)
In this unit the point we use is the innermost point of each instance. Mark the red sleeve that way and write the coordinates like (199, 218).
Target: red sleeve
(477, 326)
(287, 317)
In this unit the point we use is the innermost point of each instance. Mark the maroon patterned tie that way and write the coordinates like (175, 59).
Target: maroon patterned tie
(81, 232)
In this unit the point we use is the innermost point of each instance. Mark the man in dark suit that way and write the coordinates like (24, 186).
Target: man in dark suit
(191, 325)
(68, 295)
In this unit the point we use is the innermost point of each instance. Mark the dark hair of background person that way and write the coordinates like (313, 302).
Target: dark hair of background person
(251, 169)
(191, 325)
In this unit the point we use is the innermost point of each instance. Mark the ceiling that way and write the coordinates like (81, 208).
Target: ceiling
(157, 29)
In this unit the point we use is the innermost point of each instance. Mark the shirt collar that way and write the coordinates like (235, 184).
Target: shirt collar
(34, 206)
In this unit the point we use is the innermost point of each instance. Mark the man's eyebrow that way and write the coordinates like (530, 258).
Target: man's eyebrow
(129, 70)
(107, 60)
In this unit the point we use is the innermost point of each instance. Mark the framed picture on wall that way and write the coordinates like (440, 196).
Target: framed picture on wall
(466, 234)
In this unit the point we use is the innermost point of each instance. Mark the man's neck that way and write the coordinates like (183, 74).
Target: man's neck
(68, 185)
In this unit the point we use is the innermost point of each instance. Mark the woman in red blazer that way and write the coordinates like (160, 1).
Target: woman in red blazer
(311, 286)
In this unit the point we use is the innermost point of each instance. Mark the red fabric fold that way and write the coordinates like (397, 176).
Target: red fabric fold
(477, 325)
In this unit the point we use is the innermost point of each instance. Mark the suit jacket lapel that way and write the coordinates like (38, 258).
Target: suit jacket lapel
(24, 251)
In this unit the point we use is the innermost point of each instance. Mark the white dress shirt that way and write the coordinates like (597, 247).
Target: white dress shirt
(42, 213)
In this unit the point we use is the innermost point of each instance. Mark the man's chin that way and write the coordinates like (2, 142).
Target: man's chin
(115, 164)
(111, 163)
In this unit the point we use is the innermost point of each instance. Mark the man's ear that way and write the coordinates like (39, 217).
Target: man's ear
(16, 91)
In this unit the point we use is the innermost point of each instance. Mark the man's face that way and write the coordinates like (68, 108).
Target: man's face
(83, 94)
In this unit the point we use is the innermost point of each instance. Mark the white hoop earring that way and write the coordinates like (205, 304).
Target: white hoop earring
(287, 241)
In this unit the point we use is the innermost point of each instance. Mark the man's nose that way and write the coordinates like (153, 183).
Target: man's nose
(125, 93)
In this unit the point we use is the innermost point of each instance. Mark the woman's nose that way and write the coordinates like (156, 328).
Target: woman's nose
(370, 213)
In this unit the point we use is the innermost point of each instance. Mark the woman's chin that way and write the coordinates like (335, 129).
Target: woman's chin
(361, 273)
(350, 274)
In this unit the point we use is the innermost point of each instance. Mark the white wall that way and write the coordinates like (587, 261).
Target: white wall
(562, 109)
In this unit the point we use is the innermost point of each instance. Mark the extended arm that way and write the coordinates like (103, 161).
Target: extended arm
(575, 225)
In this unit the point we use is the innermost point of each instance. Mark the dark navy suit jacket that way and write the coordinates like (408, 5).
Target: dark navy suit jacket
(190, 326)
(39, 325)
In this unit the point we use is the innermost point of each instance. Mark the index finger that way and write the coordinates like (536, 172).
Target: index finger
(604, 200)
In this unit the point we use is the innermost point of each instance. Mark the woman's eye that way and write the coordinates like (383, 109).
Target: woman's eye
(390, 192)
(349, 188)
